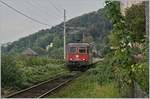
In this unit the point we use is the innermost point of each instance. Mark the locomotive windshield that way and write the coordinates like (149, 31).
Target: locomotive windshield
(82, 50)
(73, 49)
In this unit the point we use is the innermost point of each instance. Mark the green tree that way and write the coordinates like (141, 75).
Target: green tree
(57, 41)
(135, 20)
(122, 38)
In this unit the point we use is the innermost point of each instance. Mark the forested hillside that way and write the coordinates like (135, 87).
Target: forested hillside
(94, 26)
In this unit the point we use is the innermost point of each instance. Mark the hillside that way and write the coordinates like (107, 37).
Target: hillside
(94, 25)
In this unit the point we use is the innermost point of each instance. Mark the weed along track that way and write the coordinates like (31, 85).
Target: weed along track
(44, 88)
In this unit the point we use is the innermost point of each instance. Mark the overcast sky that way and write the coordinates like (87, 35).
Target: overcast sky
(14, 26)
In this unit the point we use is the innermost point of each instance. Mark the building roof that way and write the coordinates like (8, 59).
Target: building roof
(29, 52)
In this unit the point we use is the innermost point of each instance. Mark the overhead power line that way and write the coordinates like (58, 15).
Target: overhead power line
(55, 6)
(40, 7)
(14, 9)
(37, 12)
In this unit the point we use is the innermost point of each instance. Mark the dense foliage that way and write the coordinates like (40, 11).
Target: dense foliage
(11, 75)
(19, 72)
(101, 74)
(130, 44)
(135, 19)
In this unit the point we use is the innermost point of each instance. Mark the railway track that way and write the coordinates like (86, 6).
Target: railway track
(44, 88)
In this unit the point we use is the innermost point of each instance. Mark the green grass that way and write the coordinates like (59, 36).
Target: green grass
(97, 82)
(83, 87)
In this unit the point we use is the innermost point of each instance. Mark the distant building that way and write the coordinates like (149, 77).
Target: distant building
(48, 46)
(29, 52)
(128, 3)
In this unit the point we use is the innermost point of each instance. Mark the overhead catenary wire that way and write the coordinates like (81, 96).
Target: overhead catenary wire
(20, 12)
(35, 4)
(37, 12)
(60, 11)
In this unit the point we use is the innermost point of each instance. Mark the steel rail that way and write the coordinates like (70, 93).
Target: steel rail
(42, 83)
(53, 89)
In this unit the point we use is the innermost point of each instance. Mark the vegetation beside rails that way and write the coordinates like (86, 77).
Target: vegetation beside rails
(95, 83)
(129, 41)
(19, 72)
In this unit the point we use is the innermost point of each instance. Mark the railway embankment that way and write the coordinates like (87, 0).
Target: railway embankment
(44, 88)
(21, 72)
(94, 83)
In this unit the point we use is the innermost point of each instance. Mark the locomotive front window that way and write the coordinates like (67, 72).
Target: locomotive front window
(72, 49)
(82, 50)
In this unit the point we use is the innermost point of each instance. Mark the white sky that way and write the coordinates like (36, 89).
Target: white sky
(14, 26)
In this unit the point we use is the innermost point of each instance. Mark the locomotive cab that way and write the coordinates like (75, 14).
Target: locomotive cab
(78, 55)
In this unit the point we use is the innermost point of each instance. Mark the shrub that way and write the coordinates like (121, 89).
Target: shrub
(101, 74)
(141, 73)
(10, 73)
(20, 71)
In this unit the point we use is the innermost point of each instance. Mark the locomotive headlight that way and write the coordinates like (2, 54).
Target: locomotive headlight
(70, 58)
(77, 56)
(83, 59)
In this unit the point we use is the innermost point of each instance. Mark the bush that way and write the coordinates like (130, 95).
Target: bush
(10, 73)
(38, 61)
(101, 74)
(141, 73)
(20, 72)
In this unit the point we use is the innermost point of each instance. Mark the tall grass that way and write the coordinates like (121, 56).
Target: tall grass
(11, 75)
(20, 71)
(84, 87)
(95, 83)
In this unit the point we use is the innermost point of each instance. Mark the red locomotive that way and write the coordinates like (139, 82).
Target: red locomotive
(78, 55)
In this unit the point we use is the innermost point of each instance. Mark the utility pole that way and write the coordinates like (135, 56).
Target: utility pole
(37, 40)
(83, 38)
(64, 34)
(29, 43)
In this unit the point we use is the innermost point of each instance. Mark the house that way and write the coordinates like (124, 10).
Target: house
(29, 52)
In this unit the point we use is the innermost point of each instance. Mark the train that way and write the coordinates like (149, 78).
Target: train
(79, 56)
